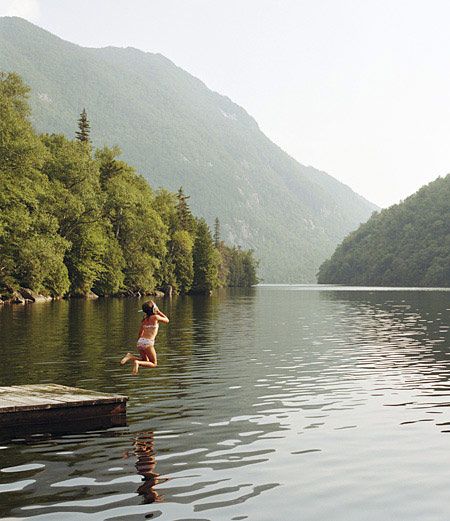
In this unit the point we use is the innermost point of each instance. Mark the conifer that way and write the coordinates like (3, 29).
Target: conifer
(185, 217)
(84, 128)
(206, 261)
(216, 232)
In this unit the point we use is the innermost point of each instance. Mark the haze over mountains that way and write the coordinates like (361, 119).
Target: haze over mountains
(177, 132)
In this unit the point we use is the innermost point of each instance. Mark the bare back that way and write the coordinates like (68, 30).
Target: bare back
(149, 327)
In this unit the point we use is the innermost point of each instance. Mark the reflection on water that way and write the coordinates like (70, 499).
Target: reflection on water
(144, 450)
(273, 403)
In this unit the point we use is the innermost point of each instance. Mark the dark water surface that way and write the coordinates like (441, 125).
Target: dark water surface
(277, 403)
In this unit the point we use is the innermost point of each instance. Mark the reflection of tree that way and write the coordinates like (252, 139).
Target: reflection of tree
(413, 325)
(421, 310)
(97, 327)
(180, 337)
(29, 334)
(144, 450)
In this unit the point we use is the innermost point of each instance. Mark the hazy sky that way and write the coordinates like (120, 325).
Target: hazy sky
(358, 88)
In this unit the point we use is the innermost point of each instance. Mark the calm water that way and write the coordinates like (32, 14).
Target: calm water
(274, 403)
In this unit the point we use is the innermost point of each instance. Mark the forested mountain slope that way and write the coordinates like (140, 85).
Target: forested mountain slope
(407, 244)
(177, 132)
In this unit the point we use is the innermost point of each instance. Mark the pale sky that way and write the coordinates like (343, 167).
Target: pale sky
(358, 88)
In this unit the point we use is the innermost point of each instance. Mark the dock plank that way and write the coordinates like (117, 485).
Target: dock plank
(54, 395)
(22, 397)
(50, 403)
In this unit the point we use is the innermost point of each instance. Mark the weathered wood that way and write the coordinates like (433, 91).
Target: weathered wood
(40, 404)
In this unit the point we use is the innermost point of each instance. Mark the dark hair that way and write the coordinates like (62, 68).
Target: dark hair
(147, 308)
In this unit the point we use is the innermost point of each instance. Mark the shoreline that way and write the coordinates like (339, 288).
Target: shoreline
(26, 296)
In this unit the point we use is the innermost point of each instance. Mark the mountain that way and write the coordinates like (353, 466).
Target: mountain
(177, 132)
(407, 244)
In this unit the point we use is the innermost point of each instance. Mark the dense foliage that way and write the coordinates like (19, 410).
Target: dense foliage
(405, 245)
(74, 220)
(177, 132)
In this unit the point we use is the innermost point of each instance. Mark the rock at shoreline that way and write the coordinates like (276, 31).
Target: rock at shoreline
(16, 298)
(90, 295)
(29, 294)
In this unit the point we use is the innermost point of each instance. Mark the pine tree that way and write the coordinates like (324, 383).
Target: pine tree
(185, 217)
(206, 261)
(216, 232)
(84, 128)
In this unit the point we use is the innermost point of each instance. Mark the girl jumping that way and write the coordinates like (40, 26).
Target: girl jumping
(147, 334)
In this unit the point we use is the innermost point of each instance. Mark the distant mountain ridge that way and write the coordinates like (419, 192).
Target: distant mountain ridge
(407, 244)
(177, 132)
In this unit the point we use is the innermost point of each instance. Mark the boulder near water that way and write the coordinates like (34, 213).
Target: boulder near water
(16, 298)
(29, 294)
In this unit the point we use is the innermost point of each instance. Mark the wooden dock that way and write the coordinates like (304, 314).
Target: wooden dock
(52, 407)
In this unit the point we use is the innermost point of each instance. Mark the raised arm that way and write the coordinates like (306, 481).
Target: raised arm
(162, 318)
(160, 315)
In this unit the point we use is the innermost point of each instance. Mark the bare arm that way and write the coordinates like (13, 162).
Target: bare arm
(160, 315)
(162, 318)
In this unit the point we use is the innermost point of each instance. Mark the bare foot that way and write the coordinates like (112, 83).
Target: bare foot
(135, 369)
(125, 359)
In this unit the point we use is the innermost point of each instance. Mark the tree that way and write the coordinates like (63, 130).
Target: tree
(78, 206)
(84, 128)
(216, 232)
(31, 252)
(186, 220)
(108, 164)
(181, 253)
(136, 225)
(206, 260)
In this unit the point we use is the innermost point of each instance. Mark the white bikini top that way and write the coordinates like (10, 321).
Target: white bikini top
(147, 326)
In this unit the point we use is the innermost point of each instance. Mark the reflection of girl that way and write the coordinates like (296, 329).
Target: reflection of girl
(147, 335)
(145, 465)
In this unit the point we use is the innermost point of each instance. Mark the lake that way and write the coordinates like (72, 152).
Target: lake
(273, 403)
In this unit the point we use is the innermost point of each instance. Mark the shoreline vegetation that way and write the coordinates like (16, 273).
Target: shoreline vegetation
(79, 222)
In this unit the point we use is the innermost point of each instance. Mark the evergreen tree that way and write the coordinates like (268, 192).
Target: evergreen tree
(249, 266)
(84, 128)
(181, 254)
(108, 164)
(216, 232)
(206, 260)
(186, 220)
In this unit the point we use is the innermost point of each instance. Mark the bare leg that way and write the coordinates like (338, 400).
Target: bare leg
(140, 363)
(127, 358)
(149, 359)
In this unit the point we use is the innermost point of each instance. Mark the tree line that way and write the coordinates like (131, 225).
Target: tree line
(75, 220)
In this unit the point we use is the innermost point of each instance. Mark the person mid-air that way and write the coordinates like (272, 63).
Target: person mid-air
(147, 334)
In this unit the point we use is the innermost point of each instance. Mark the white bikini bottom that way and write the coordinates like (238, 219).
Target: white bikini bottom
(143, 343)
